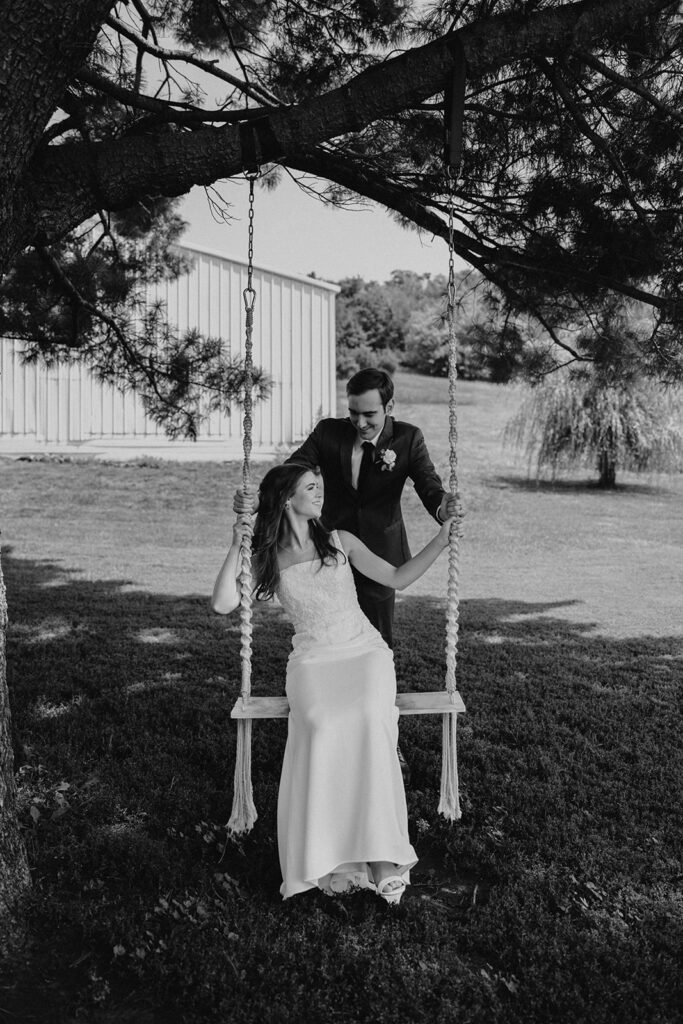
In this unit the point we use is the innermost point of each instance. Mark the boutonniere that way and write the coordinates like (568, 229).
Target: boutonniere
(387, 459)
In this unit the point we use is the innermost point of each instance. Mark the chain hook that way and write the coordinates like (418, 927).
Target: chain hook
(249, 293)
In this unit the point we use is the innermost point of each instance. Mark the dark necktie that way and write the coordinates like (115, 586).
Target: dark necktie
(366, 463)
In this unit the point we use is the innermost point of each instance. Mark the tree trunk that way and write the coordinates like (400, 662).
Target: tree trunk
(14, 875)
(607, 468)
(42, 46)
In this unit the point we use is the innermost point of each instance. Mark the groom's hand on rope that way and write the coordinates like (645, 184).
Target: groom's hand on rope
(451, 509)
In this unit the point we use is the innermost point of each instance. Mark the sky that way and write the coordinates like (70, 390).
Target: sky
(297, 233)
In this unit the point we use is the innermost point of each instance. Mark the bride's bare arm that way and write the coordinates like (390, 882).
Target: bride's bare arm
(397, 577)
(227, 590)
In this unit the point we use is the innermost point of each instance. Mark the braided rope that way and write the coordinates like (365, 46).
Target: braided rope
(449, 803)
(246, 627)
(243, 809)
(452, 612)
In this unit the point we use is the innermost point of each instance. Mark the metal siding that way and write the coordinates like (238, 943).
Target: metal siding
(275, 362)
(260, 304)
(24, 391)
(287, 416)
(296, 397)
(214, 424)
(293, 341)
(316, 356)
(307, 361)
(332, 357)
(7, 399)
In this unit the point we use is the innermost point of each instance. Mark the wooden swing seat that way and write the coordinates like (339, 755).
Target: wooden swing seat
(436, 703)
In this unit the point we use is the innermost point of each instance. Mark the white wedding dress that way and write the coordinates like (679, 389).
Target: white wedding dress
(341, 802)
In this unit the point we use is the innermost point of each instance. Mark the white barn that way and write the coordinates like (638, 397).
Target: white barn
(64, 409)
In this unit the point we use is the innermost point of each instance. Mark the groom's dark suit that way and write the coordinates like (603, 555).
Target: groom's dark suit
(373, 511)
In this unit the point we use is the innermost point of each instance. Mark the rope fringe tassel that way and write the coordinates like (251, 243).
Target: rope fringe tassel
(449, 801)
(243, 813)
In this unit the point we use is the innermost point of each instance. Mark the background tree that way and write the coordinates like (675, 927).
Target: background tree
(604, 414)
(369, 331)
(403, 322)
(426, 349)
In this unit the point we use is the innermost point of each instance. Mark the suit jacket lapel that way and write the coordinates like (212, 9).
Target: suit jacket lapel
(385, 438)
(347, 442)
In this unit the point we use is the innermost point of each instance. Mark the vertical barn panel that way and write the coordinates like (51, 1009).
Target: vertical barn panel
(30, 378)
(62, 376)
(331, 356)
(287, 387)
(225, 332)
(307, 357)
(275, 369)
(7, 404)
(295, 387)
(214, 313)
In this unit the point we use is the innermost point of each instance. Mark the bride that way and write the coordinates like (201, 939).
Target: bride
(342, 818)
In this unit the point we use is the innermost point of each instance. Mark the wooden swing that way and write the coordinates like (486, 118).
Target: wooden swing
(446, 702)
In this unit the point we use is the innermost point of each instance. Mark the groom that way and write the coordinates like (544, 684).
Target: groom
(365, 460)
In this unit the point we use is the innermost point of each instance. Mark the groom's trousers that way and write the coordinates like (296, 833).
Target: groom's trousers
(377, 607)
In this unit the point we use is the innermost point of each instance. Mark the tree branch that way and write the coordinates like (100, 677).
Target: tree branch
(67, 124)
(600, 144)
(134, 358)
(629, 84)
(482, 256)
(399, 201)
(171, 165)
(191, 115)
(256, 92)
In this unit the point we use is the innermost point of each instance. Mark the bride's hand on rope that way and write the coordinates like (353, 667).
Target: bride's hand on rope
(241, 528)
(444, 533)
(227, 589)
(244, 502)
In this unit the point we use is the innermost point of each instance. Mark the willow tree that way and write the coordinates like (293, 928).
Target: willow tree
(603, 412)
(572, 176)
(579, 418)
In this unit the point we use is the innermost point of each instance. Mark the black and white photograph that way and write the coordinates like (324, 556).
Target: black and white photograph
(341, 511)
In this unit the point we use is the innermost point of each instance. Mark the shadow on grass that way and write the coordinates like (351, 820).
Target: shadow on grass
(127, 695)
(570, 763)
(586, 486)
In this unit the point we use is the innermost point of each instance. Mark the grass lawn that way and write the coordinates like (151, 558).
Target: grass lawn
(557, 898)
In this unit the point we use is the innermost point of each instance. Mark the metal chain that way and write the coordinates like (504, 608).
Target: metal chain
(249, 301)
(251, 177)
(451, 247)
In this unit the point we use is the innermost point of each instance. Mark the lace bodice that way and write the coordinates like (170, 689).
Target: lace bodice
(321, 602)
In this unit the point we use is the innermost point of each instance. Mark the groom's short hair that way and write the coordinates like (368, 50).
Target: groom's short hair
(372, 379)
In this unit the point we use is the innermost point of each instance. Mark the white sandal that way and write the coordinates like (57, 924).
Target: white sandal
(393, 895)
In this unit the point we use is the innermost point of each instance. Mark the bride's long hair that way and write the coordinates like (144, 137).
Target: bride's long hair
(275, 490)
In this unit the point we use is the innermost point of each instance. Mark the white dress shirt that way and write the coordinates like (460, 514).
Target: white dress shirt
(357, 456)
